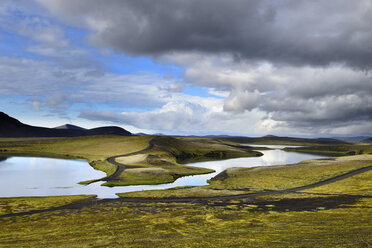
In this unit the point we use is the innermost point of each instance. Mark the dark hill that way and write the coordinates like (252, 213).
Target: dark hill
(10, 127)
(69, 126)
(369, 140)
(270, 139)
(108, 130)
(352, 138)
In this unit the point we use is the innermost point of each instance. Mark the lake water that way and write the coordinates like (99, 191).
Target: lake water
(29, 176)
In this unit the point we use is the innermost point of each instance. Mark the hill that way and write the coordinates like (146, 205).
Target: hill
(69, 126)
(369, 140)
(13, 128)
(271, 139)
(352, 138)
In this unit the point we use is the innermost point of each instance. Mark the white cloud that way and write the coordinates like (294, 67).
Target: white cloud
(240, 100)
(255, 91)
(192, 116)
(302, 98)
(175, 87)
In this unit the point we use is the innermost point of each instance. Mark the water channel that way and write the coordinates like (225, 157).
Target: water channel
(30, 176)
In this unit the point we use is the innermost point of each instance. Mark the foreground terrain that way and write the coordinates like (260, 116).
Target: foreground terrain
(315, 203)
(320, 217)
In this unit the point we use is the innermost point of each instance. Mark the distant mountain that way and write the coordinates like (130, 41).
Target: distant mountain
(108, 130)
(274, 139)
(352, 138)
(270, 136)
(215, 136)
(69, 126)
(141, 134)
(11, 127)
(369, 140)
(158, 134)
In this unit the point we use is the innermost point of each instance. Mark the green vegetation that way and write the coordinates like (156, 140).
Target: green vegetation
(334, 215)
(180, 192)
(369, 140)
(12, 205)
(335, 150)
(238, 223)
(95, 149)
(144, 176)
(102, 165)
(247, 180)
(288, 176)
(163, 163)
(357, 185)
(187, 150)
(274, 140)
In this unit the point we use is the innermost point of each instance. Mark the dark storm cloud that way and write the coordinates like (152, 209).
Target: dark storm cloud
(323, 111)
(306, 65)
(296, 97)
(287, 31)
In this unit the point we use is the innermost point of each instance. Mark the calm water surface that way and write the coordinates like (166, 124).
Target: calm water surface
(25, 176)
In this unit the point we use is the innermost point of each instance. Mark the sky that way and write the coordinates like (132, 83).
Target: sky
(190, 67)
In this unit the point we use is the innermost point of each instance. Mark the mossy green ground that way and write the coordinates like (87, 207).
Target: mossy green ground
(334, 215)
(245, 180)
(289, 176)
(11, 205)
(356, 185)
(188, 191)
(161, 164)
(95, 149)
(335, 150)
(214, 224)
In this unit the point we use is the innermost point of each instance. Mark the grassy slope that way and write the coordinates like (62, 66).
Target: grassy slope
(273, 140)
(167, 155)
(335, 150)
(290, 176)
(187, 150)
(356, 185)
(95, 149)
(244, 180)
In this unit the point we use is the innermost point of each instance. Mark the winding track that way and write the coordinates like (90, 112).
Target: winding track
(121, 167)
(90, 202)
(247, 195)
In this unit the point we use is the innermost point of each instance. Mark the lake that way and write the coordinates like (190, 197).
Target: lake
(31, 176)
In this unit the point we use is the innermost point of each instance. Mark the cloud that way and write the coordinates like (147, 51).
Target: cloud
(192, 116)
(284, 67)
(174, 115)
(167, 118)
(289, 32)
(241, 100)
(274, 99)
(303, 98)
(52, 74)
(175, 87)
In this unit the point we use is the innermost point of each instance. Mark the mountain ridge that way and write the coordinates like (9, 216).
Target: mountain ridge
(13, 128)
(70, 126)
(368, 140)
